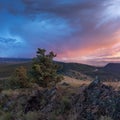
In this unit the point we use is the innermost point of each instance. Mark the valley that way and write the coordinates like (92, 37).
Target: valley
(81, 95)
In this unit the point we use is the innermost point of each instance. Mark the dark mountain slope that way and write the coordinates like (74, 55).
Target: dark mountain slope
(112, 67)
(14, 60)
(110, 72)
(77, 70)
(76, 66)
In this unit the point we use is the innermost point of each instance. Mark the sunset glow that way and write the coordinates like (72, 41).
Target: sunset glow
(83, 31)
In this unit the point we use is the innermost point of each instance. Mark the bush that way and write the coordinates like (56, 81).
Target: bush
(6, 116)
(44, 70)
(65, 104)
(19, 79)
(105, 118)
(34, 115)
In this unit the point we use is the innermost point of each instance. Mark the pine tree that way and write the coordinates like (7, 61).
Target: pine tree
(44, 70)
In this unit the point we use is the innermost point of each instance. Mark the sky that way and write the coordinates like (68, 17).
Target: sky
(82, 31)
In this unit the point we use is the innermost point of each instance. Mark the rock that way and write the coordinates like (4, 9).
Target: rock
(96, 82)
(99, 100)
(65, 84)
(90, 103)
(41, 100)
(34, 102)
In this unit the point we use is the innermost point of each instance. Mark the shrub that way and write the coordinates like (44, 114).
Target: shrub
(53, 116)
(6, 116)
(105, 118)
(44, 70)
(65, 104)
(34, 115)
(19, 79)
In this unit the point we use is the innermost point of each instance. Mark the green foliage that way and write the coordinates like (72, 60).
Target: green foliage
(19, 79)
(44, 70)
(65, 105)
(32, 116)
(53, 116)
(8, 68)
(6, 116)
(105, 118)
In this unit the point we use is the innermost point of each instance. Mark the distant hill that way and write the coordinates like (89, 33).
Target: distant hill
(110, 72)
(14, 60)
(113, 68)
(7, 69)
(76, 70)
(76, 66)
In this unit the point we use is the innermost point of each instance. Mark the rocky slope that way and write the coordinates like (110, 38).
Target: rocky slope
(89, 102)
(97, 100)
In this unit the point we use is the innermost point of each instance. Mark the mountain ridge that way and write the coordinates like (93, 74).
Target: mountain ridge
(113, 67)
(75, 70)
(12, 60)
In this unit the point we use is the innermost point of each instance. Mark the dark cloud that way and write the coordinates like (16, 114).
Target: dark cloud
(7, 40)
(65, 26)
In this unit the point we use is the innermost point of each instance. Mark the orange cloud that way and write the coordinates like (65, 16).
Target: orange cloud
(100, 50)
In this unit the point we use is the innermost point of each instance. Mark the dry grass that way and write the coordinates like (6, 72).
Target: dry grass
(77, 83)
(115, 85)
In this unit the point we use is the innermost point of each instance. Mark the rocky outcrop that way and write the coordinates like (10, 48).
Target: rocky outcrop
(90, 103)
(97, 100)
(45, 101)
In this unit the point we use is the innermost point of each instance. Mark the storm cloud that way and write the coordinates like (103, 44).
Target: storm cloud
(78, 31)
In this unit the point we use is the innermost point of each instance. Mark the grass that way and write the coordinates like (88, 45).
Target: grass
(19, 97)
(7, 69)
(105, 118)
(77, 83)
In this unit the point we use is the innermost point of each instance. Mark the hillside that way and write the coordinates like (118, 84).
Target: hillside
(74, 70)
(83, 72)
(14, 60)
(77, 97)
(6, 69)
(86, 101)
(113, 68)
